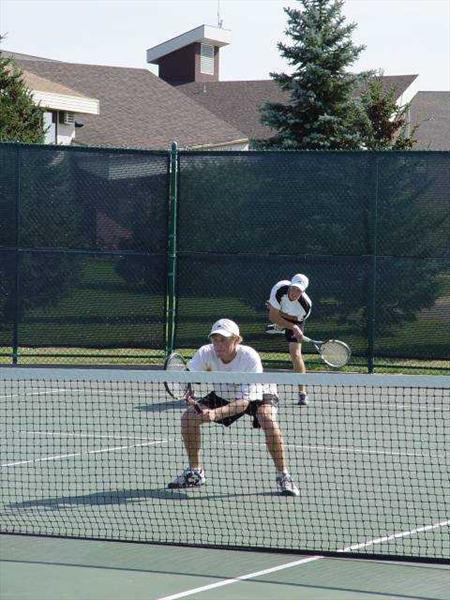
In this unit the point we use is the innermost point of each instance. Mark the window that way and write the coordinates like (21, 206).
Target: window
(207, 59)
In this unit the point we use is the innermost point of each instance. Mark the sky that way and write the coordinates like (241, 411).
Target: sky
(401, 36)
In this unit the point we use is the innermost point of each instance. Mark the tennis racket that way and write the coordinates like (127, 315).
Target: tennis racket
(333, 352)
(177, 389)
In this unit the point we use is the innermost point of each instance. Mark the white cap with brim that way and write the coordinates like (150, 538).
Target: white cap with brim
(300, 281)
(225, 327)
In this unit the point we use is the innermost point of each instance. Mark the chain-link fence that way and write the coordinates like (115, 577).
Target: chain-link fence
(83, 250)
(95, 256)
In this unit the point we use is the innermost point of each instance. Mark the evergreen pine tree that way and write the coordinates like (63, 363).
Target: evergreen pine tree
(20, 118)
(322, 110)
(385, 124)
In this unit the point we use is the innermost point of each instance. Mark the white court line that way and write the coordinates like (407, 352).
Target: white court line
(385, 408)
(81, 393)
(357, 450)
(394, 536)
(348, 449)
(390, 406)
(43, 393)
(211, 586)
(344, 449)
(61, 456)
(82, 435)
(302, 561)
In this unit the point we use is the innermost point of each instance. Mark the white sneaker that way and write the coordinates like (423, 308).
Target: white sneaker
(272, 329)
(286, 485)
(303, 399)
(189, 478)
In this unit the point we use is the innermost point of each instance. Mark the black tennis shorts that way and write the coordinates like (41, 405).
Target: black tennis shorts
(290, 336)
(212, 400)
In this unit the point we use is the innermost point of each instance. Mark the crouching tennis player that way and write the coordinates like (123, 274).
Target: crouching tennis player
(226, 353)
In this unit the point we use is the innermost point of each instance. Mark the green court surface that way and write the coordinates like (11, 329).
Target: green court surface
(53, 569)
(92, 459)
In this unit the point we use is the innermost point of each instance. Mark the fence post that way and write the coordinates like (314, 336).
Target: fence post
(172, 258)
(374, 264)
(16, 315)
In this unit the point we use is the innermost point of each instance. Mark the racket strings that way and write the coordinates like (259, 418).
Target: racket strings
(335, 353)
(176, 363)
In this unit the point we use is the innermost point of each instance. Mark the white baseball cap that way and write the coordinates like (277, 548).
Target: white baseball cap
(225, 327)
(300, 281)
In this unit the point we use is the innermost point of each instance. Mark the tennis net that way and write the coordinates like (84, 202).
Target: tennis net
(90, 454)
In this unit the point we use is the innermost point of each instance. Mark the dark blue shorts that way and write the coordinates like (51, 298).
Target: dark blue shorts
(288, 334)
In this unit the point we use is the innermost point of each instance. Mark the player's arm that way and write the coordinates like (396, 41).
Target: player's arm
(235, 407)
(274, 307)
(246, 392)
(199, 362)
(276, 317)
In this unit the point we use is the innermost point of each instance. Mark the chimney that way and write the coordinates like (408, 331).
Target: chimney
(191, 56)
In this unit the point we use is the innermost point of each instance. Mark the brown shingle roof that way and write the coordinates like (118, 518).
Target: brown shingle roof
(20, 56)
(431, 110)
(137, 109)
(36, 82)
(238, 102)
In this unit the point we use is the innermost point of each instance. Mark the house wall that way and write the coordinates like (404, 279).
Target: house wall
(66, 133)
(203, 77)
(183, 65)
(57, 133)
(238, 146)
(179, 65)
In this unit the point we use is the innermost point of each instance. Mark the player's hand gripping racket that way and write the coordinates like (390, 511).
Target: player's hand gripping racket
(333, 352)
(178, 389)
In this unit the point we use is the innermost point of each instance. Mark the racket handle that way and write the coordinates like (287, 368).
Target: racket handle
(197, 408)
(191, 401)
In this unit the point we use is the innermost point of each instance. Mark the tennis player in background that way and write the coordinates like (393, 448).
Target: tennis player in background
(289, 307)
(225, 353)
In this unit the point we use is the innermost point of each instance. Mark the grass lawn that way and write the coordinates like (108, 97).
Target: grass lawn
(129, 357)
(105, 310)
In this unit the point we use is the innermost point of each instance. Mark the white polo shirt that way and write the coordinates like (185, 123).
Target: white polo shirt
(298, 309)
(247, 360)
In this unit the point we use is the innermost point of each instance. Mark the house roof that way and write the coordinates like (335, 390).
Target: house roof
(216, 36)
(431, 111)
(58, 97)
(137, 109)
(238, 102)
(20, 56)
(36, 82)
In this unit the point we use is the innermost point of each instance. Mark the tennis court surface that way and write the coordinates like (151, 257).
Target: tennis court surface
(88, 454)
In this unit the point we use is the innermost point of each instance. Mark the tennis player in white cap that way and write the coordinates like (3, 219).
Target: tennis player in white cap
(229, 402)
(289, 307)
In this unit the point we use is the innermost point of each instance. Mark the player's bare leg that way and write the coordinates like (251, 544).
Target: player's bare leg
(190, 430)
(275, 446)
(298, 364)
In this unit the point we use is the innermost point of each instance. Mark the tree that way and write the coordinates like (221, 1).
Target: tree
(384, 124)
(20, 118)
(322, 110)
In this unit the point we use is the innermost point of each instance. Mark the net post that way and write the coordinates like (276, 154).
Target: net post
(373, 270)
(172, 249)
(16, 315)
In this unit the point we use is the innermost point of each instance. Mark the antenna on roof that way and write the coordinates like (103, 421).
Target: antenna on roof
(219, 20)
